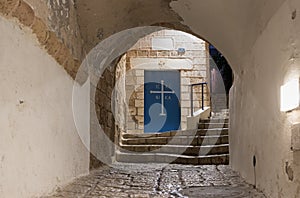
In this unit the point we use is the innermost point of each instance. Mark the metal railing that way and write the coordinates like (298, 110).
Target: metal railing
(192, 96)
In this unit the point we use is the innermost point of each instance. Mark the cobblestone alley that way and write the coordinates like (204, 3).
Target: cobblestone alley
(157, 180)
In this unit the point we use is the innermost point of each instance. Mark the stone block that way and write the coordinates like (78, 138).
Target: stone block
(132, 111)
(153, 54)
(163, 53)
(185, 96)
(139, 103)
(131, 81)
(24, 13)
(140, 119)
(142, 53)
(141, 127)
(199, 61)
(184, 88)
(139, 72)
(185, 81)
(140, 95)
(203, 74)
(132, 53)
(52, 44)
(131, 125)
(140, 111)
(185, 103)
(183, 118)
(41, 30)
(185, 111)
(140, 80)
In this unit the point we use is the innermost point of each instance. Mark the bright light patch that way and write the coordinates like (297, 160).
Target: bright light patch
(290, 95)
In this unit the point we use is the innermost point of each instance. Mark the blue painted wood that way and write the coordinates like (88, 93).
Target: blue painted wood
(161, 101)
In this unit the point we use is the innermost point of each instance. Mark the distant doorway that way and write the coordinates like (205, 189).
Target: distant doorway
(161, 101)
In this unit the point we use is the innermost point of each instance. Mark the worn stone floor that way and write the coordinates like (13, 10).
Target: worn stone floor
(158, 180)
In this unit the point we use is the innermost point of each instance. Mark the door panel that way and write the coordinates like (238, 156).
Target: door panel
(161, 101)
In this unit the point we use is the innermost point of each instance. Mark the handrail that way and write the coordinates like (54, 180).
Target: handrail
(202, 95)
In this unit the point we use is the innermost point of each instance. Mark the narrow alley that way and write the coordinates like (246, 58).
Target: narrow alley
(160, 180)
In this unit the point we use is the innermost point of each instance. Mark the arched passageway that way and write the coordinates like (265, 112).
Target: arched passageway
(260, 39)
(127, 104)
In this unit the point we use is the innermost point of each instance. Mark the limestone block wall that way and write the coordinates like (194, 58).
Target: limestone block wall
(40, 148)
(194, 70)
(119, 106)
(103, 103)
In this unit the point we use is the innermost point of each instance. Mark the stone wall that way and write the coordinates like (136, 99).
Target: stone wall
(119, 100)
(195, 55)
(60, 16)
(40, 148)
(99, 19)
(103, 102)
(119, 96)
(57, 34)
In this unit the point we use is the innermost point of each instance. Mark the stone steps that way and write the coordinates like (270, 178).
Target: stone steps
(207, 145)
(178, 149)
(213, 125)
(177, 140)
(199, 132)
(172, 158)
(214, 120)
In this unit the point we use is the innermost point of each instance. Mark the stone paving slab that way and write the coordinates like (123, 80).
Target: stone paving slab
(159, 181)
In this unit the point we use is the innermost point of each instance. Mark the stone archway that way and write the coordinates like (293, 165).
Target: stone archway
(259, 38)
(107, 63)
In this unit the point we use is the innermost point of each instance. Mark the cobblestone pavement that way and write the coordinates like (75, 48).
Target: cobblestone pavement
(156, 180)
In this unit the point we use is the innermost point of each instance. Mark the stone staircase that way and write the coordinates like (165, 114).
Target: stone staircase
(207, 145)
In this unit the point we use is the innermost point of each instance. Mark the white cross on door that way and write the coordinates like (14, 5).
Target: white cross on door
(162, 92)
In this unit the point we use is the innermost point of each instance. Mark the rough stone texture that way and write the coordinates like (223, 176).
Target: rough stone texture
(196, 52)
(99, 19)
(104, 110)
(154, 180)
(64, 47)
(61, 18)
(259, 38)
(120, 109)
(63, 21)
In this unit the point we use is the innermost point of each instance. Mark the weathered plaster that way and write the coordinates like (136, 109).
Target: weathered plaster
(39, 145)
(260, 40)
(67, 52)
(232, 27)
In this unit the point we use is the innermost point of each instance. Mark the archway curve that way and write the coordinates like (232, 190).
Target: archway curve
(187, 29)
(105, 53)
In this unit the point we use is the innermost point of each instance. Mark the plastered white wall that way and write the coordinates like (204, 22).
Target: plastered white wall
(263, 130)
(39, 145)
(262, 46)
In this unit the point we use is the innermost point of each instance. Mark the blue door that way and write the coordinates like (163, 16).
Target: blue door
(161, 101)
